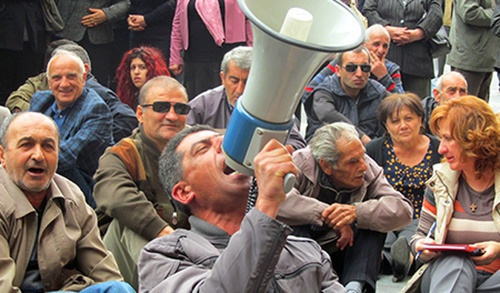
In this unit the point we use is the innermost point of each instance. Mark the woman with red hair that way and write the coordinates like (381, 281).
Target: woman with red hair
(138, 65)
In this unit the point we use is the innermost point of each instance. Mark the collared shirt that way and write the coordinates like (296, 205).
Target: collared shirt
(59, 116)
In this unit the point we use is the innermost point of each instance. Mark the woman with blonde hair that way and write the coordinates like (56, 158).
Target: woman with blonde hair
(462, 202)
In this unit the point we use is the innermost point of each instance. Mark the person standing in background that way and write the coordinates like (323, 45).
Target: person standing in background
(22, 43)
(150, 24)
(205, 31)
(474, 46)
(90, 24)
(411, 24)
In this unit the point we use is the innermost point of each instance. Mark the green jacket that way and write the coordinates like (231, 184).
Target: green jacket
(474, 46)
(128, 188)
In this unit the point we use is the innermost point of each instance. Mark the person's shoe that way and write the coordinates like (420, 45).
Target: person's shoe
(401, 259)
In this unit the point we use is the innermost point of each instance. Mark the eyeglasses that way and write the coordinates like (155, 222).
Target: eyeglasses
(164, 107)
(353, 67)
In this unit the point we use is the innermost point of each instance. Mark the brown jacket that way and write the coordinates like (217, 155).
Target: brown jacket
(69, 244)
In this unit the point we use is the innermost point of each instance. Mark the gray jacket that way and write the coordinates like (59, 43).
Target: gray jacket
(212, 108)
(260, 257)
(378, 206)
(330, 104)
(474, 46)
(72, 12)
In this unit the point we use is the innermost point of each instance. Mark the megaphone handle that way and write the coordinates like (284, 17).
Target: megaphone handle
(288, 182)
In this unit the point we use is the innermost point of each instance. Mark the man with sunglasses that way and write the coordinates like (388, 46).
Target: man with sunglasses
(132, 206)
(348, 96)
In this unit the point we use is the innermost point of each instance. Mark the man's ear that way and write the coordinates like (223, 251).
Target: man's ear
(221, 77)
(182, 193)
(435, 93)
(326, 167)
(337, 70)
(138, 113)
(87, 68)
(2, 156)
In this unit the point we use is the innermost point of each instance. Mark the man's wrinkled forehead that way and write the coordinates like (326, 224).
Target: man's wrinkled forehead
(192, 140)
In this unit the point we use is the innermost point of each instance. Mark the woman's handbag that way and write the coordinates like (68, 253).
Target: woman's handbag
(439, 44)
(51, 16)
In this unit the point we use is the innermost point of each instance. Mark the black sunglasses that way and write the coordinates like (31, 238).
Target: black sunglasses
(164, 107)
(353, 67)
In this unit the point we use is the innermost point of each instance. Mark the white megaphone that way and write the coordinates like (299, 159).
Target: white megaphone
(292, 38)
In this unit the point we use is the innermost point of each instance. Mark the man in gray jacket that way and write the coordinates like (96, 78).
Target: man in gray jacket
(215, 106)
(343, 200)
(226, 250)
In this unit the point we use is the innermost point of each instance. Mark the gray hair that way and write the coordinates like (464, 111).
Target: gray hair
(70, 55)
(241, 56)
(376, 30)
(323, 144)
(4, 128)
(78, 50)
(439, 82)
(161, 81)
(170, 167)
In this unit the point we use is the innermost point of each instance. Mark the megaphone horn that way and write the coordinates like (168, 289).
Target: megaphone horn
(287, 50)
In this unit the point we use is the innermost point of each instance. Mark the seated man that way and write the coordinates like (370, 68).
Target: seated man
(348, 96)
(340, 187)
(124, 120)
(49, 238)
(377, 41)
(83, 118)
(448, 86)
(128, 190)
(215, 106)
(212, 257)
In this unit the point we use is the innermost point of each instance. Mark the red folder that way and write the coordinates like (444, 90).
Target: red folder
(453, 247)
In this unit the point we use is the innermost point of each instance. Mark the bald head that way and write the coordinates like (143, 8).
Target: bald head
(29, 151)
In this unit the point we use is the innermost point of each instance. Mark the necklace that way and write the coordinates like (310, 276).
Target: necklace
(473, 205)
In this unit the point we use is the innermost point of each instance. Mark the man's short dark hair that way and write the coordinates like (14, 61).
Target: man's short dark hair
(340, 56)
(170, 162)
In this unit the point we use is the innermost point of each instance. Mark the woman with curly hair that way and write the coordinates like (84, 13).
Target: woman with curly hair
(462, 202)
(138, 65)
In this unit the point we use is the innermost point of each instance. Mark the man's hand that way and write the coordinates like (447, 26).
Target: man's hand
(378, 66)
(175, 68)
(365, 139)
(94, 18)
(491, 252)
(272, 163)
(346, 237)
(165, 231)
(136, 22)
(338, 215)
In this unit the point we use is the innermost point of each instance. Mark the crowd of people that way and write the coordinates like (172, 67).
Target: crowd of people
(113, 176)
